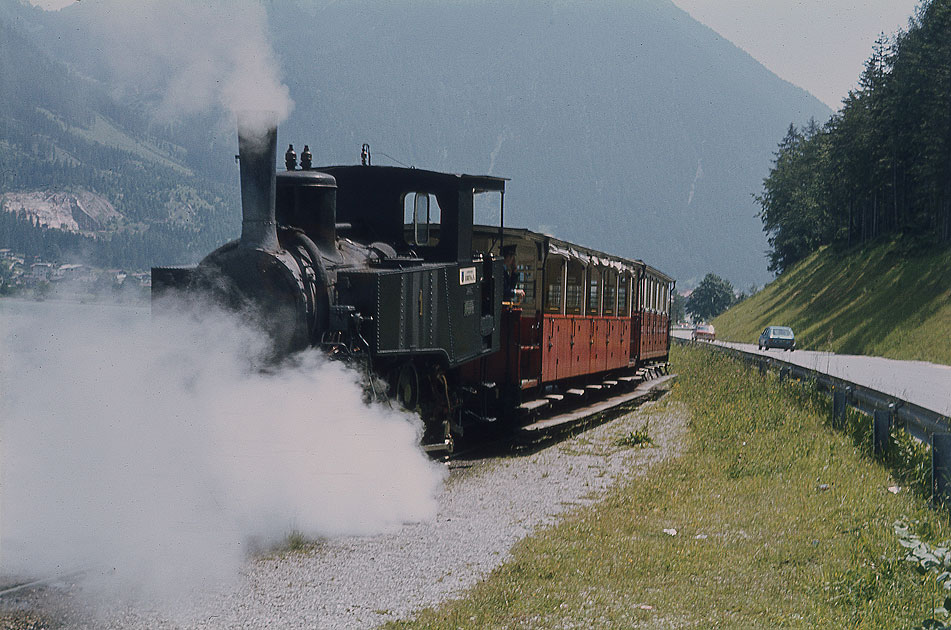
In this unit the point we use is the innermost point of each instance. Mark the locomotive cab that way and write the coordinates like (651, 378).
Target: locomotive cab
(423, 292)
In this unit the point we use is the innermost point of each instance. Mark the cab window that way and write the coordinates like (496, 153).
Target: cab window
(421, 214)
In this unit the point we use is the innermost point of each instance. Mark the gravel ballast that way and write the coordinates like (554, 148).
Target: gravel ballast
(486, 506)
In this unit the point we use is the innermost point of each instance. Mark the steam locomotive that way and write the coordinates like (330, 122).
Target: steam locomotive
(386, 266)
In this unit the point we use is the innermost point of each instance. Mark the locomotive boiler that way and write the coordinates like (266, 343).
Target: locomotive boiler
(385, 266)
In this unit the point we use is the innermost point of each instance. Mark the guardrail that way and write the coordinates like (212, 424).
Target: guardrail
(886, 411)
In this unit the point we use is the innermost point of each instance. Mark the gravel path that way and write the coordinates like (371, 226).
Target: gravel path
(486, 507)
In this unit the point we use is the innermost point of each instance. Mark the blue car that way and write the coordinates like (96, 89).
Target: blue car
(777, 337)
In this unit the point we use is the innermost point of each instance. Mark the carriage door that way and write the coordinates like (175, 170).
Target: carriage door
(624, 319)
(610, 322)
(554, 336)
(575, 352)
(593, 320)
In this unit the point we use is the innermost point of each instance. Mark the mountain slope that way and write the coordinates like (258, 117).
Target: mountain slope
(65, 141)
(625, 126)
(889, 300)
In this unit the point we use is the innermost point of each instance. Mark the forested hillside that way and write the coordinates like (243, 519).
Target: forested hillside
(883, 299)
(60, 131)
(881, 165)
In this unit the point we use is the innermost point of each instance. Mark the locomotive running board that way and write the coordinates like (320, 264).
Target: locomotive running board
(542, 428)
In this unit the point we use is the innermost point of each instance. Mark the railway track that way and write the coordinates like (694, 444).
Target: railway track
(567, 416)
(11, 586)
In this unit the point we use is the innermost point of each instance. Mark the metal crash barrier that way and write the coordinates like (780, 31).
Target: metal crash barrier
(885, 410)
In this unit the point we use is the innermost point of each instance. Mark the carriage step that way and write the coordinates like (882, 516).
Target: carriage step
(439, 447)
(532, 405)
(575, 392)
(594, 387)
(541, 428)
(555, 397)
(609, 383)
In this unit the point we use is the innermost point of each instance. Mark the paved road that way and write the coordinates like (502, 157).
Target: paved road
(925, 384)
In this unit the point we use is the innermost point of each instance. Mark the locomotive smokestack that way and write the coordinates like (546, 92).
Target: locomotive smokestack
(257, 152)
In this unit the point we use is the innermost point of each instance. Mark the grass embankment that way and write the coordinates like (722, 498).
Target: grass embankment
(886, 300)
(780, 522)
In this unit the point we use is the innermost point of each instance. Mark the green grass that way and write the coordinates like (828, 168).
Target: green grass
(885, 300)
(781, 522)
(639, 438)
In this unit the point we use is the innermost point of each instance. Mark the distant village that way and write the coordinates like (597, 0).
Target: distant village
(25, 277)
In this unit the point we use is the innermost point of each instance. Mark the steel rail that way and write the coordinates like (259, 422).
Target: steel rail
(10, 590)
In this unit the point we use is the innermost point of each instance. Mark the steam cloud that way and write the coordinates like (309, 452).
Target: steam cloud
(153, 452)
(196, 57)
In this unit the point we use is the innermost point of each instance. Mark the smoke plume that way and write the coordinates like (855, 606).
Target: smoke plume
(192, 57)
(156, 453)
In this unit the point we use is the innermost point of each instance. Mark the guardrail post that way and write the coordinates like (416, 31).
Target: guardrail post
(762, 366)
(783, 373)
(940, 467)
(881, 430)
(838, 407)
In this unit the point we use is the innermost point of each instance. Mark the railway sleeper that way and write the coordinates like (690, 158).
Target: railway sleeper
(540, 404)
(594, 412)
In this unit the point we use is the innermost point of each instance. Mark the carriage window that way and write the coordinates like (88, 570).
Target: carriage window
(555, 281)
(526, 282)
(610, 293)
(574, 291)
(622, 293)
(594, 292)
(421, 211)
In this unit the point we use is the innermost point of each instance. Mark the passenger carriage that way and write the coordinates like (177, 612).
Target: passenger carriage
(585, 315)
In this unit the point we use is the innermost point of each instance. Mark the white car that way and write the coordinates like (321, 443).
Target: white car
(704, 332)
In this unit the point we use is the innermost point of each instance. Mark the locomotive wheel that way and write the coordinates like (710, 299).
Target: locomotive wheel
(407, 387)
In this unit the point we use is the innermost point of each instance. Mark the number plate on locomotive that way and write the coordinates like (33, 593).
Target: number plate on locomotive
(467, 276)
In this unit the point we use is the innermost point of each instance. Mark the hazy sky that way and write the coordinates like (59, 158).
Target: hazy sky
(819, 45)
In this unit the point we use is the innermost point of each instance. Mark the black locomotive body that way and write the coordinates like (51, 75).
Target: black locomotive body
(385, 265)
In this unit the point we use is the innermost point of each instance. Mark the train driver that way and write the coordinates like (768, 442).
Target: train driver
(511, 292)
